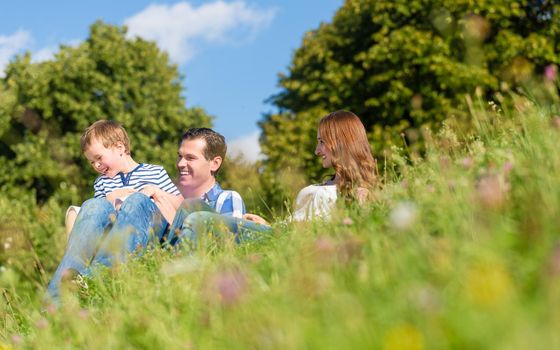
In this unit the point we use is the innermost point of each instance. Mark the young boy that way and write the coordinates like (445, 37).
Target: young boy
(106, 146)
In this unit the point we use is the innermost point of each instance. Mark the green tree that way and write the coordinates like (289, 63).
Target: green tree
(406, 64)
(44, 108)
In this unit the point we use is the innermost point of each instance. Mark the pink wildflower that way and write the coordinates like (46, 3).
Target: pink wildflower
(228, 286)
(17, 339)
(467, 162)
(42, 323)
(347, 221)
(551, 72)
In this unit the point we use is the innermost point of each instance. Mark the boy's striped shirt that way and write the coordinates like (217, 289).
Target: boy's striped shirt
(144, 174)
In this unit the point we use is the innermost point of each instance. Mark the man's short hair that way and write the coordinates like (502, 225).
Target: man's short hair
(109, 132)
(215, 142)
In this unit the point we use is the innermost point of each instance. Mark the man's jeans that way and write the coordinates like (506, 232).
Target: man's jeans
(203, 222)
(102, 235)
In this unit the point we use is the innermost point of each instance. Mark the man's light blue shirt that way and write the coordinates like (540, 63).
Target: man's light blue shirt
(229, 203)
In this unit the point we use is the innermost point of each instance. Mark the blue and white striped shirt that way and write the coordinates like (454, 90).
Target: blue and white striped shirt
(142, 175)
(224, 202)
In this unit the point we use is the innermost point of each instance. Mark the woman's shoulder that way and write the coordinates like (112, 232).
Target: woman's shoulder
(314, 201)
(324, 187)
(317, 190)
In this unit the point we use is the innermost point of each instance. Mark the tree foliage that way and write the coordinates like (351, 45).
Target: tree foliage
(44, 108)
(406, 64)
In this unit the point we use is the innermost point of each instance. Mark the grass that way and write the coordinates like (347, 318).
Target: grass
(461, 250)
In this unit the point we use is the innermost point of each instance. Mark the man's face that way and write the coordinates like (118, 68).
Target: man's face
(195, 171)
(106, 161)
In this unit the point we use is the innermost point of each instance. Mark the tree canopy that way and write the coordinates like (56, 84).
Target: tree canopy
(45, 107)
(406, 64)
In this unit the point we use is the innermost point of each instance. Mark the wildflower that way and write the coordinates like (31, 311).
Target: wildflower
(7, 245)
(551, 72)
(405, 337)
(492, 191)
(404, 215)
(42, 323)
(228, 286)
(347, 221)
(478, 91)
(507, 167)
(51, 308)
(254, 258)
(494, 107)
(556, 122)
(467, 162)
(488, 284)
(17, 339)
(504, 86)
(324, 245)
(83, 314)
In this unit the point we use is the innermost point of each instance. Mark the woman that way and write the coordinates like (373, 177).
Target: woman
(342, 145)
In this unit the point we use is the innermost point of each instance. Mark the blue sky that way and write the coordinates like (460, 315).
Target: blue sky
(229, 52)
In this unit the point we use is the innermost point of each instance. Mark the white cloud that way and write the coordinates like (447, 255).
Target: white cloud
(11, 45)
(176, 28)
(247, 146)
(44, 54)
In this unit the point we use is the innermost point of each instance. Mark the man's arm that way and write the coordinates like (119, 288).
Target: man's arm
(166, 202)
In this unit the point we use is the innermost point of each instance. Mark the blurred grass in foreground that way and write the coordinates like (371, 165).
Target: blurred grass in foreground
(461, 250)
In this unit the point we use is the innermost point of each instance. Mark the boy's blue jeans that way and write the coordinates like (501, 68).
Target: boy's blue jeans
(102, 235)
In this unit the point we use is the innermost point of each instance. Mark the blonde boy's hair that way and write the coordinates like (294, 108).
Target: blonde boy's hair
(108, 132)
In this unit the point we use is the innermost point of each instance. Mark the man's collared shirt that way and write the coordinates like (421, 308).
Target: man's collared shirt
(224, 202)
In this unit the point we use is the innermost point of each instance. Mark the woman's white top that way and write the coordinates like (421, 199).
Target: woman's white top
(314, 201)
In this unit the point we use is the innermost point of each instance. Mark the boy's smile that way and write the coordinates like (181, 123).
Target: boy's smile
(106, 161)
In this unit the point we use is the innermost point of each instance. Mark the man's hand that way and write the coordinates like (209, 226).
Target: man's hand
(255, 218)
(151, 191)
(166, 202)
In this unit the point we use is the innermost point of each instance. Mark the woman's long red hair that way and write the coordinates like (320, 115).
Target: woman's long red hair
(345, 136)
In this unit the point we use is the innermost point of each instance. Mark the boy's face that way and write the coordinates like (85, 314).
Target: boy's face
(195, 171)
(106, 161)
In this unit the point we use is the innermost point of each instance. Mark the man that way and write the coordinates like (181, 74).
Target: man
(200, 156)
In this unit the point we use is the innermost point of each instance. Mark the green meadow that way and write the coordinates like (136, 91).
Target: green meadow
(460, 250)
